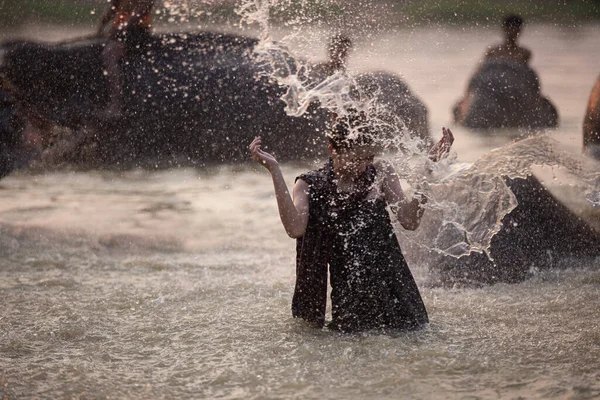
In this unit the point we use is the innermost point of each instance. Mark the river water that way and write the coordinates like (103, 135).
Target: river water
(178, 283)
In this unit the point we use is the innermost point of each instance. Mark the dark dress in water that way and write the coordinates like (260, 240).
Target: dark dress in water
(372, 287)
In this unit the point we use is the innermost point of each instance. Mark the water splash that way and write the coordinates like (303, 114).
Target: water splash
(307, 84)
(339, 92)
(476, 197)
(466, 202)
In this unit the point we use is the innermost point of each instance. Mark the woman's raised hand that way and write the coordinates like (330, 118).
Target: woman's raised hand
(442, 148)
(261, 156)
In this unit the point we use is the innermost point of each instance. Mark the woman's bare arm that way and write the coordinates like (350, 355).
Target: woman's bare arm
(408, 212)
(293, 213)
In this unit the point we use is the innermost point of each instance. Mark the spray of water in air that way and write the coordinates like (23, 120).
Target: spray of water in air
(451, 227)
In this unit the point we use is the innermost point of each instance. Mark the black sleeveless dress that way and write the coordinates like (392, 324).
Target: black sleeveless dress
(372, 287)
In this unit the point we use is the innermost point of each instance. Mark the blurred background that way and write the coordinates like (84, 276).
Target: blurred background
(400, 13)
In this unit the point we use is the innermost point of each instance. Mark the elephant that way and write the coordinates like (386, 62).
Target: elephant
(536, 235)
(190, 99)
(496, 221)
(505, 94)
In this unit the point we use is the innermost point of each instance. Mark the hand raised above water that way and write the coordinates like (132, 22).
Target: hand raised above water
(442, 148)
(261, 156)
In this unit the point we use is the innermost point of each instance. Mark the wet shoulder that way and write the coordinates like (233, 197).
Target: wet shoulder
(312, 178)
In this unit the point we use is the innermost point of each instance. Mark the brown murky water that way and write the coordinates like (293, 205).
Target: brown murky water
(177, 284)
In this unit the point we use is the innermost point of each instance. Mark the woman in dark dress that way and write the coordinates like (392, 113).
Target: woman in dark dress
(339, 216)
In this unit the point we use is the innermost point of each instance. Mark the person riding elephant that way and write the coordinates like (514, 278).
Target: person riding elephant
(504, 91)
(338, 51)
(510, 50)
(129, 24)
